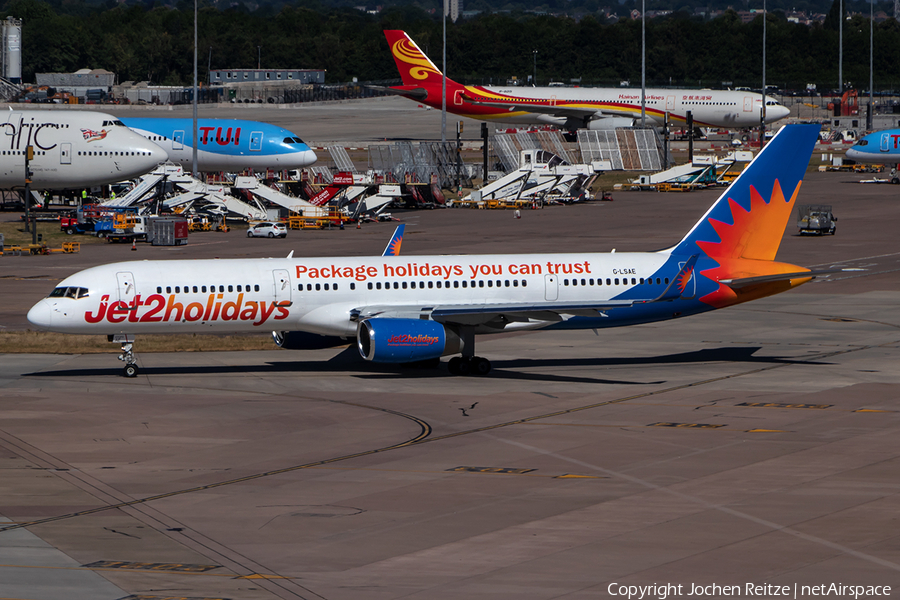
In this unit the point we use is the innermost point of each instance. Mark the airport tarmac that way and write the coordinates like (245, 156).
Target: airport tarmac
(753, 445)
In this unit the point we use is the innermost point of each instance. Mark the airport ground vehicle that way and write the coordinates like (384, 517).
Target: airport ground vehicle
(267, 230)
(816, 219)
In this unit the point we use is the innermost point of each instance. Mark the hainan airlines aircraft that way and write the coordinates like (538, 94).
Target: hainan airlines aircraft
(879, 147)
(73, 149)
(226, 144)
(573, 108)
(404, 309)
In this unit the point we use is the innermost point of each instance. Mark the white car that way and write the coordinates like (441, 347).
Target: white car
(267, 230)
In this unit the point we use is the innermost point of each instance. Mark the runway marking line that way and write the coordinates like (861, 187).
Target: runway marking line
(686, 425)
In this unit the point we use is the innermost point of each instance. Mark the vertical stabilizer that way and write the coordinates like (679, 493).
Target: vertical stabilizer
(749, 218)
(415, 68)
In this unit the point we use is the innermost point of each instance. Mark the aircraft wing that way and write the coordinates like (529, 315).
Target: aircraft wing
(569, 112)
(498, 315)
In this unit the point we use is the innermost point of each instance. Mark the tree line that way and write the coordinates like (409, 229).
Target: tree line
(154, 43)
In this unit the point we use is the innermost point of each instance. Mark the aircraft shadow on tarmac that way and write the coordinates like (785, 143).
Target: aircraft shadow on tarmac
(348, 361)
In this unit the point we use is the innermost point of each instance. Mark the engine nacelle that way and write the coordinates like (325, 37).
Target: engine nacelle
(610, 123)
(302, 340)
(404, 340)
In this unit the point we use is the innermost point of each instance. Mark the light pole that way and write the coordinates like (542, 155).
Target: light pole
(871, 63)
(194, 170)
(258, 58)
(534, 77)
(444, 77)
(643, 65)
(841, 52)
(762, 113)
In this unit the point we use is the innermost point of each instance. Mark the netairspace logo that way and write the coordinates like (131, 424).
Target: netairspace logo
(765, 590)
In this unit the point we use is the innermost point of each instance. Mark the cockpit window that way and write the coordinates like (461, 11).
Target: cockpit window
(293, 140)
(115, 123)
(69, 292)
(862, 143)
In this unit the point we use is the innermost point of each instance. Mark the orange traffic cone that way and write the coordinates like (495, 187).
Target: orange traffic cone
(358, 225)
(133, 247)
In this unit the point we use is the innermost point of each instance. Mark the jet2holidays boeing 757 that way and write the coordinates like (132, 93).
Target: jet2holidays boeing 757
(403, 309)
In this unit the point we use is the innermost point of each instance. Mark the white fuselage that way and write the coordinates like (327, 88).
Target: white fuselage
(72, 150)
(708, 108)
(319, 295)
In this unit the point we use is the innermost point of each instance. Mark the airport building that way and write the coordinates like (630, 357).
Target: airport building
(225, 76)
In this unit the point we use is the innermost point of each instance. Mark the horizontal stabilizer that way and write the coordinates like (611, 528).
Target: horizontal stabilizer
(416, 93)
(744, 282)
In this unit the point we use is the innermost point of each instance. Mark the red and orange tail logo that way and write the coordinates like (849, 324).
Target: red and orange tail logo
(415, 68)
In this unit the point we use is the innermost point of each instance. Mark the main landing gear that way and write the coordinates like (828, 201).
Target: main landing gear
(469, 365)
(127, 356)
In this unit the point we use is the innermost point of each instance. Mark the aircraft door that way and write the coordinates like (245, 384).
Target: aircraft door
(125, 287)
(178, 140)
(282, 287)
(670, 103)
(551, 287)
(65, 154)
(748, 103)
(885, 142)
(256, 140)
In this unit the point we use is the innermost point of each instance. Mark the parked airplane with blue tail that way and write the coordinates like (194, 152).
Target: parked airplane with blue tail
(226, 144)
(404, 309)
(879, 147)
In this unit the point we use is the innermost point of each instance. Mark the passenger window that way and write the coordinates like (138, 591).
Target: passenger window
(404, 285)
(159, 289)
(195, 289)
(326, 287)
(608, 281)
(299, 287)
(591, 281)
(221, 288)
(255, 288)
(430, 284)
(370, 285)
(490, 283)
(168, 289)
(230, 288)
(617, 281)
(238, 288)
(657, 281)
(524, 283)
(352, 286)
(633, 282)
(642, 280)
(666, 281)
(582, 282)
(318, 286)
(378, 285)
(456, 284)
(506, 283)
(481, 283)
(439, 284)
(515, 283)
(308, 287)
(565, 282)
(396, 286)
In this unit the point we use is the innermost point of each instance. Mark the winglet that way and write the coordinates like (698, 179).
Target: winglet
(393, 246)
(679, 283)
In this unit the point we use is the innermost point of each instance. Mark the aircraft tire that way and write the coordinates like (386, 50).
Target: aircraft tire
(453, 365)
(464, 367)
(131, 370)
(480, 366)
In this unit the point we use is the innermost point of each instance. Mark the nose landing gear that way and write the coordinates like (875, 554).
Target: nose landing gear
(127, 356)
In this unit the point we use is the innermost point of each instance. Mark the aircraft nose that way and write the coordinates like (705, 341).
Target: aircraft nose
(774, 113)
(41, 315)
(308, 157)
(156, 154)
